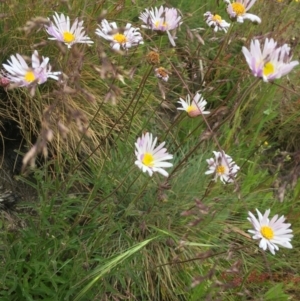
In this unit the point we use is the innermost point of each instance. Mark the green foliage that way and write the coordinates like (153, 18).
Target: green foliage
(276, 293)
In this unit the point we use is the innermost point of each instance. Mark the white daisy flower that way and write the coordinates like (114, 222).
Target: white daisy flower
(61, 31)
(222, 166)
(194, 108)
(215, 21)
(238, 10)
(150, 158)
(272, 232)
(163, 19)
(127, 37)
(162, 73)
(19, 73)
(270, 63)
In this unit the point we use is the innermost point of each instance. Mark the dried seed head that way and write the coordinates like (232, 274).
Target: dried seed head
(162, 73)
(153, 58)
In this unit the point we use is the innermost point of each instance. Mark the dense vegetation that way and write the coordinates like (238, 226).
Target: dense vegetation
(89, 224)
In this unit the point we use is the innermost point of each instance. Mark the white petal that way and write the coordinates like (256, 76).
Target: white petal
(252, 17)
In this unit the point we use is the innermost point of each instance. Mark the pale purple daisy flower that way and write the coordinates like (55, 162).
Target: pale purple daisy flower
(150, 158)
(238, 10)
(125, 38)
(272, 232)
(162, 19)
(215, 21)
(195, 107)
(19, 73)
(223, 167)
(270, 63)
(61, 31)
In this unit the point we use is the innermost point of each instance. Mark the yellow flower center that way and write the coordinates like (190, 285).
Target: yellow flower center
(238, 8)
(267, 232)
(220, 169)
(120, 38)
(148, 160)
(191, 108)
(217, 18)
(159, 23)
(68, 37)
(29, 76)
(268, 69)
